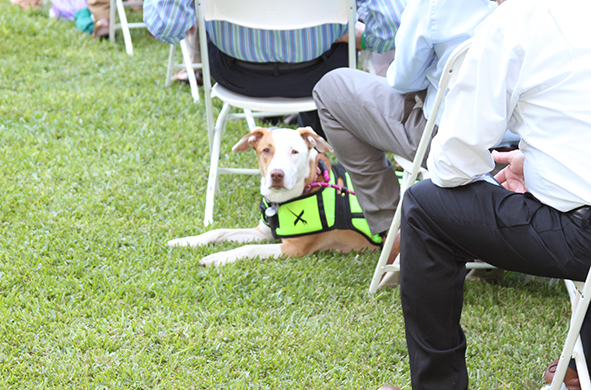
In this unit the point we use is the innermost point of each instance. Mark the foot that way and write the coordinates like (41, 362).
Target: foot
(26, 4)
(101, 28)
(571, 379)
(183, 77)
(388, 388)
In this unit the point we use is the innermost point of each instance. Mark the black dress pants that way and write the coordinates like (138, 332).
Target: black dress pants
(275, 79)
(442, 229)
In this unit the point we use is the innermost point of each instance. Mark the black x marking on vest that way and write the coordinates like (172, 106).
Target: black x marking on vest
(298, 217)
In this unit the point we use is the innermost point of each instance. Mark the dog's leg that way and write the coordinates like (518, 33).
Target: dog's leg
(260, 233)
(244, 252)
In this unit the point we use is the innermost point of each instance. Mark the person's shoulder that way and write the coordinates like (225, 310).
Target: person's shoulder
(512, 10)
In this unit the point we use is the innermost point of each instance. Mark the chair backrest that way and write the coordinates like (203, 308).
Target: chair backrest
(447, 80)
(448, 77)
(283, 15)
(278, 14)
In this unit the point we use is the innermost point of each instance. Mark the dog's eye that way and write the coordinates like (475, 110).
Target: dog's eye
(294, 152)
(267, 150)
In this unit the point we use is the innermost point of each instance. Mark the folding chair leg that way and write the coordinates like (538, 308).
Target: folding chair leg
(112, 21)
(124, 27)
(572, 346)
(213, 167)
(385, 253)
(190, 71)
(250, 119)
(170, 67)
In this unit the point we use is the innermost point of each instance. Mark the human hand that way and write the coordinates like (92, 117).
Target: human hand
(359, 29)
(511, 177)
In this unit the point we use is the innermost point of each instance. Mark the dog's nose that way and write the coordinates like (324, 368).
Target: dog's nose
(277, 177)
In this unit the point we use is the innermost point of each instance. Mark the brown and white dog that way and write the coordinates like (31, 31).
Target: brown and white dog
(288, 161)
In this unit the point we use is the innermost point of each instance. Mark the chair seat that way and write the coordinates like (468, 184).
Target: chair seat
(271, 104)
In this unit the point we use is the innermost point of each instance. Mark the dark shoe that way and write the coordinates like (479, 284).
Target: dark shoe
(388, 388)
(101, 28)
(571, 379)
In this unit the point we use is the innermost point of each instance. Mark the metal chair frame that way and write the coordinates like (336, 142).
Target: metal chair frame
(262, 14)
(118, 8)
(391, 272)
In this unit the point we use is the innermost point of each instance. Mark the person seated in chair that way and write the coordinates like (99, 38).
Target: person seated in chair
(527, 70)
(365, 116)
(263, 63)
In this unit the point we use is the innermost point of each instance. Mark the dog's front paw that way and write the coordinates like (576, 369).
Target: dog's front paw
(203, 239)
(218, 259)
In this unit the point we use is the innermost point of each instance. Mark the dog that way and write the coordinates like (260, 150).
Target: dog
(293, 170)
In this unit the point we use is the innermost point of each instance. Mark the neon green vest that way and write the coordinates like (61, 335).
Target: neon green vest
(321, 211)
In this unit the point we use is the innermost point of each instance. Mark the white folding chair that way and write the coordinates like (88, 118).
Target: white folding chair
(580, 294)
(391, 272)
(118, 8)
(187, 64)
(267, 15)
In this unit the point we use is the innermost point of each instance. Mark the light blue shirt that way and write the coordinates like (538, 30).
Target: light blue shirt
(169, 21)
(429, 32)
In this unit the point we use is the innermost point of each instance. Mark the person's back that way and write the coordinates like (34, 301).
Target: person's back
(554, 97)
(430, 31)
(547, 81)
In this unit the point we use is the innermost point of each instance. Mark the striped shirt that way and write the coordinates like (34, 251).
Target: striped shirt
(382, 19)
(169, 21)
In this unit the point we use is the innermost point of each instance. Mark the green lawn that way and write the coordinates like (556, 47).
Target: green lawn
(100, 165)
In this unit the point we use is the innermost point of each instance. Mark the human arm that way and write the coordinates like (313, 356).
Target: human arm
(382, 19)
(169, 20)
(359, 29)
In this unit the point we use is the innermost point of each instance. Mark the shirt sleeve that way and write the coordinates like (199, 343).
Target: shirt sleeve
(382, 20)
(169, 20)
(478, 108)
(414, 49)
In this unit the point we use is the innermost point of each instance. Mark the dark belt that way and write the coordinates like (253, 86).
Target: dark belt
(583, 214)
(277, 66)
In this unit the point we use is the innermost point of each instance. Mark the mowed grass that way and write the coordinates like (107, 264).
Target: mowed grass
(100, 165)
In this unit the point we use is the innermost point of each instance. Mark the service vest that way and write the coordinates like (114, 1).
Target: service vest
(317, 212)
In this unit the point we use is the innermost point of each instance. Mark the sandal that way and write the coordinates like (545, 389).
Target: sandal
(183, 77)
(571, 379)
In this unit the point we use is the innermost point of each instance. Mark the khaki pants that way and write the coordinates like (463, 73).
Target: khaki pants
(363, 118)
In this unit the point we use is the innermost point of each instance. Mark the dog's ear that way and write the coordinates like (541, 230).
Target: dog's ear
(314, 140)
(250, 140)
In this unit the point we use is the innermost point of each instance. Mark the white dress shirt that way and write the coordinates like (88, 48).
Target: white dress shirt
(429, 31)
(528, 70)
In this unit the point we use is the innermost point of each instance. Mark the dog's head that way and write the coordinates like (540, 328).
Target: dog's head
(285, 157)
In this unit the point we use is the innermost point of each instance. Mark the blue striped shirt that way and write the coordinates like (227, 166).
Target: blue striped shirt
(169, 21)
(382, 19)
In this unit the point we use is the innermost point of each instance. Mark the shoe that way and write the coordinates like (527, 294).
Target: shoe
(388, 388)
(183, 77)
(101, 28)
(571, 379)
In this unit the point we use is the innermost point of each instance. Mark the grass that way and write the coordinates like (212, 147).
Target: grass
(100, 165)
